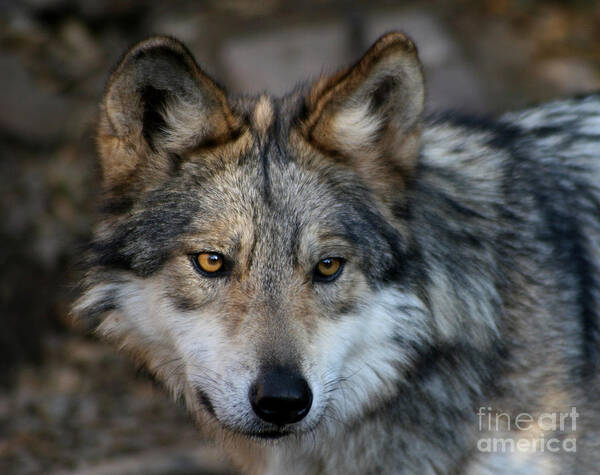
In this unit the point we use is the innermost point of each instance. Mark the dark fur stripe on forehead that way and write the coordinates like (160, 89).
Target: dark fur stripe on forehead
(273, 145)
(268, 146)
(265, 171)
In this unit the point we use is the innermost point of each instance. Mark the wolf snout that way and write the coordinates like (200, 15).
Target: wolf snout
(280, 396)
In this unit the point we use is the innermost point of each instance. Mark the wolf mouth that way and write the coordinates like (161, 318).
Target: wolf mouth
(267, 434)
(260, 434)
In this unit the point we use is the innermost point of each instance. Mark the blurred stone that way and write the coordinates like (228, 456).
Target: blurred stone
(550, 26)
(276, 61)
(452, 83)
(80, 45)
(36, 5)
(199, 461)
(188, 28)
(569, 75)
(246, 8)
(26, 108)
(195, 29)
(18, 24)
(88, 9)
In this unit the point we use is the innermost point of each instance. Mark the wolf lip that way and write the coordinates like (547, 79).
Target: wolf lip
(271, 435)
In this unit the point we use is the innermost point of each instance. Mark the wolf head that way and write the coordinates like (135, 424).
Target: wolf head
(256, 254)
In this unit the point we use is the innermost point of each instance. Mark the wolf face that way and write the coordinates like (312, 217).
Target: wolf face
(266, 259)
(248, 252)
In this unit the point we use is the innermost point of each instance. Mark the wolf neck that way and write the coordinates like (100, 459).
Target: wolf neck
(392, 434)
(361, 450)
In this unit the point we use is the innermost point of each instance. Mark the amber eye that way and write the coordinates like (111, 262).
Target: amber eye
(208, 263)
(329, 269)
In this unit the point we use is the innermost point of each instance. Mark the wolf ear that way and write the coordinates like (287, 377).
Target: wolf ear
(369, 115)
(158, 103)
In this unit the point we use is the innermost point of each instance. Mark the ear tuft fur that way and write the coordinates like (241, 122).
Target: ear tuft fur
(158, 103)
(369, 114)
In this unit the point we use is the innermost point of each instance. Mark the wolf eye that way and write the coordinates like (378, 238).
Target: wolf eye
(329, 269)
(209, 264)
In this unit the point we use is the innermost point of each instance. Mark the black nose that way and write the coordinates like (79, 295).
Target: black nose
(280, 396)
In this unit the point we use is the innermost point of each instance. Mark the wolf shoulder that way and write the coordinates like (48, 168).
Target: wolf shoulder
(578, 115)
(566, 131)
(561, 136)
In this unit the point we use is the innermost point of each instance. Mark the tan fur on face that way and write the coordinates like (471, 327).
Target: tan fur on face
(262, 115)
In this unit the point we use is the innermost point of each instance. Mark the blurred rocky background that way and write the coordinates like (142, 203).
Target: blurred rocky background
(68, 404)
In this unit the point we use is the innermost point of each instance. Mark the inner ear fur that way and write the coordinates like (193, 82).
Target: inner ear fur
(369, 115)
(158, 103)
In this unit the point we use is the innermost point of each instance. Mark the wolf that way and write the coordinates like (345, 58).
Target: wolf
(336, 283)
